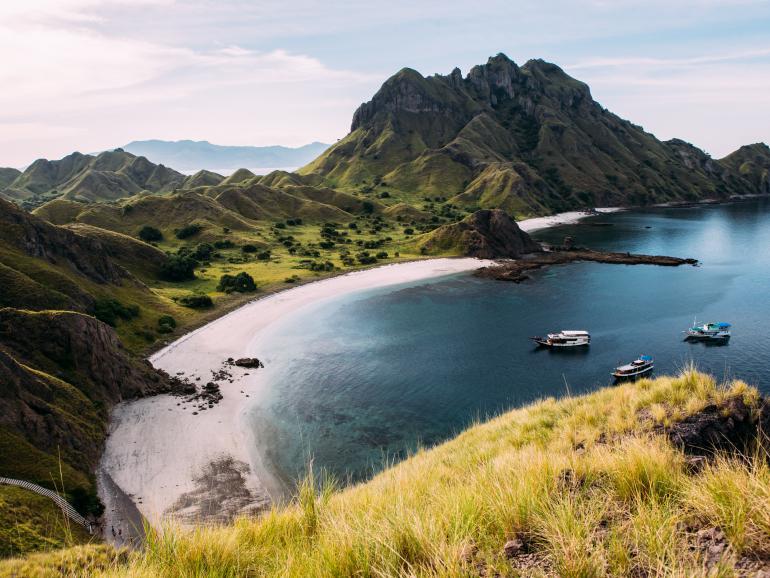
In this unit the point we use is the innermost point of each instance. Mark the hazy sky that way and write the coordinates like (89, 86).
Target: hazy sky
(93, 74)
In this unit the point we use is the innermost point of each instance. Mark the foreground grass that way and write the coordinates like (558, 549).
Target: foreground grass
(581, 482)
(30, 522)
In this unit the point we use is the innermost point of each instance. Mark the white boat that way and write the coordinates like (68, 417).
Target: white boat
(638, 367)
(565, 338)
(709, 331)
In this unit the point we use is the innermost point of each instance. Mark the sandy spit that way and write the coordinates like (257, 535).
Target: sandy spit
(568, 218)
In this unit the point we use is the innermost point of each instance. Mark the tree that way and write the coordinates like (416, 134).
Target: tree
(150, 234)
(203, 252)
(188, 231)
(241, 283)
(178, 268)
(196, 301)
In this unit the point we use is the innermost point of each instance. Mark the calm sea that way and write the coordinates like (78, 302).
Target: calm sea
(360, 381)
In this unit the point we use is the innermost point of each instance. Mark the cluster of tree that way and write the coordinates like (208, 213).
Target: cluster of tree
(196, 301)
(166, 324)
(150, 234)
(188, 231)
(240, 283)
(110, 310)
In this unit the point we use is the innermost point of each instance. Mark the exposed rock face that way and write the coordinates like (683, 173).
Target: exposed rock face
(528, 139)
(484, 234)
(734, 427)
(60, 373)
(38, 238)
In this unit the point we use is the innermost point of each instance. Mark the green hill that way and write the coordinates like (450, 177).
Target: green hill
(529, 140)
(202, 179)
(62, 369)
(87, 178)
(166, 212)
(655, 478)
(7, 176)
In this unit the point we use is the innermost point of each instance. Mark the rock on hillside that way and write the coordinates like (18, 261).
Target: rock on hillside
(486, 234)
(528, 139)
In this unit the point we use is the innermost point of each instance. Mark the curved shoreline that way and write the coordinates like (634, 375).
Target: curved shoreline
(198, 467)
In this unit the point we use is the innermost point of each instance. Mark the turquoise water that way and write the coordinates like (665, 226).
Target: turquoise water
(359, 381)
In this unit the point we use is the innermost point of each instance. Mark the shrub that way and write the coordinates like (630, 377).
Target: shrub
(264, 255)
(241, 283)
(408, 231)
(110, 310)
(367, 207)
(178, 268)
(249, 248)
(166, 324)
(203, 252)
(197, 301)
(365, 258)
(382, 255)
(150, 234)
(384, 195)
(280, 225)
(188, 231)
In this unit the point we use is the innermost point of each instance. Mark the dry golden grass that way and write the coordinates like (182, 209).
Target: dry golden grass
(581, 480)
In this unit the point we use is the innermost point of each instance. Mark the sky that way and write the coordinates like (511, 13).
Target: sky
(91, 75)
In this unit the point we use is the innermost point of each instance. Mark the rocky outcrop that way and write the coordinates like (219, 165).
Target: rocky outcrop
(57, 245)
(60, 373)
(733, 427)
(518, 270)
(486, 234)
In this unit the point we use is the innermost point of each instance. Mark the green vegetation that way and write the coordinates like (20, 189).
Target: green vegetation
(188, 231)
(150, 234)
(179, 268)
(526, 139)
(30, 522)
(85, 178)
(242, 283)
(197, 301)
(110, 310)
(582, 486)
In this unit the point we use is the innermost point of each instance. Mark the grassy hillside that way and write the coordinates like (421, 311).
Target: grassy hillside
(611, 483)
(29, 522)
(527, 139)
(86, 178)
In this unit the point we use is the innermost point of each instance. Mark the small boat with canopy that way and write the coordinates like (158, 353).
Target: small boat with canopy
(708, 331)
(565, 338)
(644, 364)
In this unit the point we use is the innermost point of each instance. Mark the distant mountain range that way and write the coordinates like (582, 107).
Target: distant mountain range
(191, 156)
(528, 139)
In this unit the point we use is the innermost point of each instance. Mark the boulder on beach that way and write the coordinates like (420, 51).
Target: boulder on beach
(248, 362)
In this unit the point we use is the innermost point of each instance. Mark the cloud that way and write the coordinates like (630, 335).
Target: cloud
(64, 72)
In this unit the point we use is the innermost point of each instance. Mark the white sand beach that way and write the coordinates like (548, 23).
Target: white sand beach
(192, 462)
(568, 218)
(198, 467)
